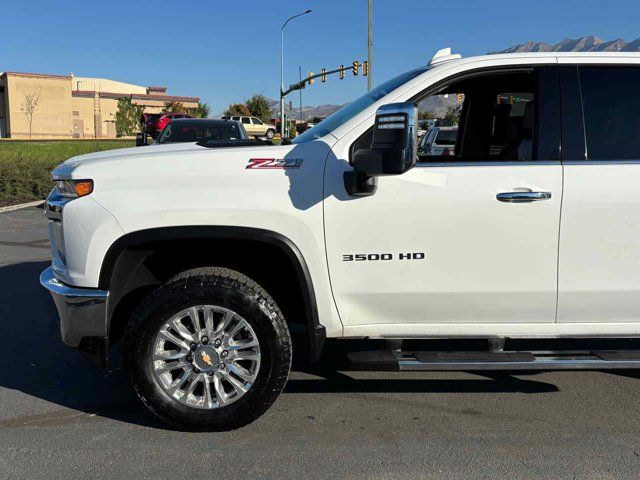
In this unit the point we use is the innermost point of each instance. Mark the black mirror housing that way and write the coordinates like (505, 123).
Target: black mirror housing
(374, 162)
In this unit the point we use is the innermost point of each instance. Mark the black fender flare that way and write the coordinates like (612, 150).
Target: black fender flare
(316, 331)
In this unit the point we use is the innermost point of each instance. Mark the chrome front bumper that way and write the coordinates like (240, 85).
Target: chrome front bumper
(82, 311)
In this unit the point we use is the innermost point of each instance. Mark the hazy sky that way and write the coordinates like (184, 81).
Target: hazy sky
(226, 50)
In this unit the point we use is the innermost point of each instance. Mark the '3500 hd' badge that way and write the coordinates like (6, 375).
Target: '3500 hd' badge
(274, 163)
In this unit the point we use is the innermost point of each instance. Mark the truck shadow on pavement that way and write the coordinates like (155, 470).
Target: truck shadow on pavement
(37, 363)
(333, 381)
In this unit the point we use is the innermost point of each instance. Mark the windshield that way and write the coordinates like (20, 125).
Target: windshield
(225, 132)
(352, 109)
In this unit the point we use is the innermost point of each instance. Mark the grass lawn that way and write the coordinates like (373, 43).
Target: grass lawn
(25, 167)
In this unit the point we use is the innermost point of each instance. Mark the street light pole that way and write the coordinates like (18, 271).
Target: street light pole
(370, 45)
(282, 115)
(300, 75)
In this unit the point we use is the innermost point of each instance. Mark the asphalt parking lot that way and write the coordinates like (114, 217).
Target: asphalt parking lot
(60, 417)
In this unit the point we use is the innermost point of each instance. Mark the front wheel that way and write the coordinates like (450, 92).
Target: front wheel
(270, 133)
(208, 350)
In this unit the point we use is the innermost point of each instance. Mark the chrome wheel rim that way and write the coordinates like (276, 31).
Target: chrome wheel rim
(206, 357)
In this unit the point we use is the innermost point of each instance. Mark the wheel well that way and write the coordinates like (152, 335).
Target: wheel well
(138, 266)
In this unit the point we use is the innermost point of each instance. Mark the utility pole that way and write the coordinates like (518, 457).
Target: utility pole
(300, 72)
(370, 46)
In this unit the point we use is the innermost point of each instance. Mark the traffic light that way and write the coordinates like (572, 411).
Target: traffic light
(365, 68)
(311, 80)
(460, 97)
(341, 72)
(356, 67)
(324, 75)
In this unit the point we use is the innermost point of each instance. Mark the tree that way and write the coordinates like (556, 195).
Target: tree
(426, 115)
(128, 117)
(237, 109)
(260, 107)
(29, 107)
(174, 107)
(201, 111)
(452, 115)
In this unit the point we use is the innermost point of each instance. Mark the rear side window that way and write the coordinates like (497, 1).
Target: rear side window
(446, 137)
(246, 120)
(611, 107)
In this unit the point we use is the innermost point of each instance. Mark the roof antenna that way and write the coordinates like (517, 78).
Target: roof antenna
(443, 55)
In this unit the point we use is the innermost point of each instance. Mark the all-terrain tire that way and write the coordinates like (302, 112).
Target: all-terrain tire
(225, 288)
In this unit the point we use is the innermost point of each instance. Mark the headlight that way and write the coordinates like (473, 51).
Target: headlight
(74, 188)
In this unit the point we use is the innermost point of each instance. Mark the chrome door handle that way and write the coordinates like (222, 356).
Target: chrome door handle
(523, 197)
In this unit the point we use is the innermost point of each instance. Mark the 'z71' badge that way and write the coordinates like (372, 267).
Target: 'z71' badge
(274, 163)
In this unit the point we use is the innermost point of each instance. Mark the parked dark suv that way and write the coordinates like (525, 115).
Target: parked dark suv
(202, 129)
(210, 132)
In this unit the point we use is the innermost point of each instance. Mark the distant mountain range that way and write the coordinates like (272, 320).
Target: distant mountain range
(308, 112)
(589, 43)
(438, 105)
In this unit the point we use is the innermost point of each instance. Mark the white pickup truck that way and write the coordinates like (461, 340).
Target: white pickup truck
(203, 260)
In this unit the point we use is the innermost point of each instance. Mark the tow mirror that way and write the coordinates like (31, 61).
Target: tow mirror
(141, 139)
(393, 148)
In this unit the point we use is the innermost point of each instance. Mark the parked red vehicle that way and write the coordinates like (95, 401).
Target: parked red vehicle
(167, 118)
(149, 123)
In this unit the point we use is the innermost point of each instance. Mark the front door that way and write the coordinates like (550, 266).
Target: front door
(248, 126)
(447, 242)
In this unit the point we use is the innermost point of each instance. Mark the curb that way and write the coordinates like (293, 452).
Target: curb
(11, 208)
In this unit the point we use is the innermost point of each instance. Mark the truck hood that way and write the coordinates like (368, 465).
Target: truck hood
(148, 150)
(133, 153)
(114, 161)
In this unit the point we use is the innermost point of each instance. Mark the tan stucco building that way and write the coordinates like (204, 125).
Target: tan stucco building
(70, 106)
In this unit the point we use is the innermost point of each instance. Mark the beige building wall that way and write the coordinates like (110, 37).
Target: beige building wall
(52, 117)
(109, 107)
(4, 118)
(63, 111)
(106, 85)
(82, 113)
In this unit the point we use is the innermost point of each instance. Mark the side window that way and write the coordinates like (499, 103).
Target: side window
(256, 121)
(246, 120)
(237, 119)
(512, 120)
(611, 105)
(489, 117)
(439, 116)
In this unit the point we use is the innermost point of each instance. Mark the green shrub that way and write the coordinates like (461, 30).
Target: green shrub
(25, 167)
